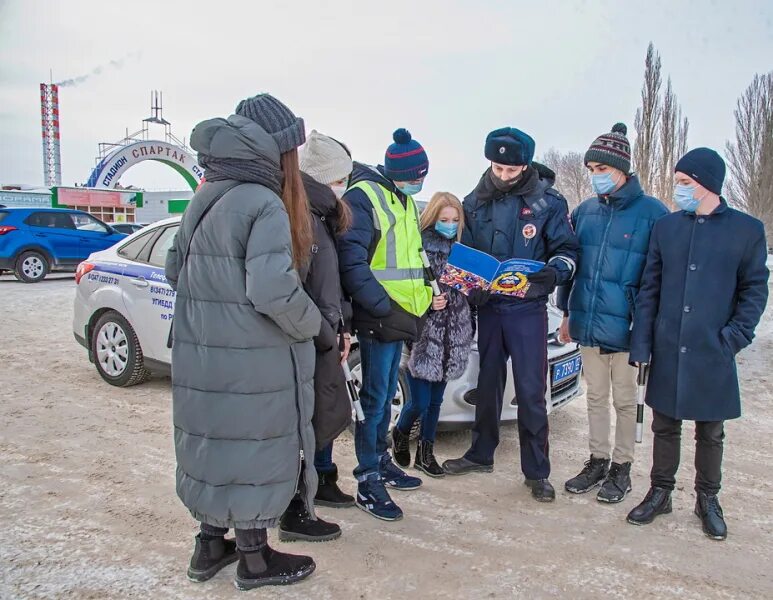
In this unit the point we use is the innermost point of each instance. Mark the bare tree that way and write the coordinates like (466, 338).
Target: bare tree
(647, 121)
(672, 141)
(750, 157)
(572, 178)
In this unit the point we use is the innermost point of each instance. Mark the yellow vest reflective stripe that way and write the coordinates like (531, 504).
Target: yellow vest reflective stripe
(396, 262)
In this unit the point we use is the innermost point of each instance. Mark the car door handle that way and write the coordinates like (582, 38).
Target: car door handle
(140, 282)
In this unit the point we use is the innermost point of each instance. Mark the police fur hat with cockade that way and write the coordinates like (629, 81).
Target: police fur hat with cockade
(509, 146)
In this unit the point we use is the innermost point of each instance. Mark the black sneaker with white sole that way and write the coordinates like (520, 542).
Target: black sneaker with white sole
(591, 476)
(616, 485)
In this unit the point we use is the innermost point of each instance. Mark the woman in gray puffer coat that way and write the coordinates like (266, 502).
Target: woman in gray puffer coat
(243, 359)
(443, 348)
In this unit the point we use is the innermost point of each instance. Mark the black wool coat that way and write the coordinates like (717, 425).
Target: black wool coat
(321, 280)
(703, 292)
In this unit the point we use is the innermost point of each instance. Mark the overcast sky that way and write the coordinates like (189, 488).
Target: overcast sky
(449, 71)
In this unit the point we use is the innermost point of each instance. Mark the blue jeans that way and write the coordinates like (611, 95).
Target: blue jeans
(426, 398)
(323, 459)
(380, 370)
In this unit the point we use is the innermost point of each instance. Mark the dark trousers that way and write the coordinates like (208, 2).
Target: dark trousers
(323, 459)
(247, 540)
(515, 330)
(424, 403)
(380, 371)
(709, 436)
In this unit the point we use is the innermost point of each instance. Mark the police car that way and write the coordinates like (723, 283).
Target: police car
(124, 309)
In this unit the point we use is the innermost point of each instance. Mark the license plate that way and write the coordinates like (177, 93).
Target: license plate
(566, 369)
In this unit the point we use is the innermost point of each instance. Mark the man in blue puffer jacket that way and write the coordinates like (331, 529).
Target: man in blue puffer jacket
(613, 228)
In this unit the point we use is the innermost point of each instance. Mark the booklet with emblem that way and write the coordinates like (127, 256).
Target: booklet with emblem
(468, 269)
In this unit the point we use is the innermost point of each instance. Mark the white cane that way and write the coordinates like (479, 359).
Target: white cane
(354, 396)
(641, 391)
(429, 273)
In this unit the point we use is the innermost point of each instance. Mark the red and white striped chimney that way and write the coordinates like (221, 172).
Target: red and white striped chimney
(49, 120)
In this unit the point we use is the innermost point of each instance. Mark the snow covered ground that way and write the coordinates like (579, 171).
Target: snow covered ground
(89, 510)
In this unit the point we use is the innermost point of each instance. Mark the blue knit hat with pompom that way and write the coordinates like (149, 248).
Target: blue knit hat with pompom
(405, 160)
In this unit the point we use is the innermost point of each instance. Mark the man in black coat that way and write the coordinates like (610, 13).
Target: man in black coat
(514, 212)
(703, 292)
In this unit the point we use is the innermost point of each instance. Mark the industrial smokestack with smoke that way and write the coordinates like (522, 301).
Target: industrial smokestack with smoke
(113, 64)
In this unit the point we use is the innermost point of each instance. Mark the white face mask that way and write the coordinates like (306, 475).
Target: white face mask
(339, 190)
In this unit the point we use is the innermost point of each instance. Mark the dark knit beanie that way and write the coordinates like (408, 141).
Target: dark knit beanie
(276, 119)
(612, 149)
(509, 146)
(705, 166)
(405, 160)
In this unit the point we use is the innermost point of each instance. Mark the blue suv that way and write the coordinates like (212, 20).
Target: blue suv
(36, 241)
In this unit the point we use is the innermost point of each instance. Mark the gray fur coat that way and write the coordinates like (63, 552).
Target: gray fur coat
(443, 348)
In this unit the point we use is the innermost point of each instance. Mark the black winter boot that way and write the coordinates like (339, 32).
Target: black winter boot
(296, 524)
(656, 502)
(425, 459)
(209, 556)
(592, 474)
(616, 485)
(269, 567)
(400, 448)
(541, 490)
(710, 513)
(328, 492)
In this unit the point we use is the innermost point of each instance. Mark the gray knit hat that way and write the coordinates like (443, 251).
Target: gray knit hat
(324, 159)
(277, 120)
(611, 149)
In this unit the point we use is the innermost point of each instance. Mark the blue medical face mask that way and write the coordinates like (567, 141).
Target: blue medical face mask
(410, 189)
(684, 197)
(447, 230)
(602, 183)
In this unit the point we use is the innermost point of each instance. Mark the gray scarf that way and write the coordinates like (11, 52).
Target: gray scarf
(260, 170)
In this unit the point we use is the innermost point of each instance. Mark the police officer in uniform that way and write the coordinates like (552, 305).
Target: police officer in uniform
(514, 212)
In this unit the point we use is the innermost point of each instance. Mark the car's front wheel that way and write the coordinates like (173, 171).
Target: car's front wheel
(398, 402)
(117, 351)
(31, 267)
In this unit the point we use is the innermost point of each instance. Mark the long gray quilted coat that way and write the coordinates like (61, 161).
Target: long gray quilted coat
(243, 359)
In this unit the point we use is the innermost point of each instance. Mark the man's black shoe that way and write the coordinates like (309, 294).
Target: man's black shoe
(656, 502)
(328, 492)
(616, 485)
(592, 474)
(296, 524)
(462, 466)
(400, 447)
(710, 513)
(209, 556)
(425, 459)
(541, 489)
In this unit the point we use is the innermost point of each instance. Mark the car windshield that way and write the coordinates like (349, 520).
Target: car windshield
(87, 223)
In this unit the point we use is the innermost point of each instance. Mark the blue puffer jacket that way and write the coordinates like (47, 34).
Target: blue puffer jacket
(614, 233)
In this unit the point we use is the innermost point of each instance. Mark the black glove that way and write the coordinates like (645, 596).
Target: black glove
(478, 297)
(542, 283)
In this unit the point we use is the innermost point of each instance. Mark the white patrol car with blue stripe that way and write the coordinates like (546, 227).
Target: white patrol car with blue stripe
(124, 309)
(124, 306)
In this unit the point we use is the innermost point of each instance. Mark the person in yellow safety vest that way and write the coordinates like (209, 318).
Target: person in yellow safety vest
(382, 272)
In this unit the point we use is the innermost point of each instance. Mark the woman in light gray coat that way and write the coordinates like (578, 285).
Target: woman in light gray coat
(243, 359)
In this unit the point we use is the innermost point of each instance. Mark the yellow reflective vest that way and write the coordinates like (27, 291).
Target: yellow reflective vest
(396, 262)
